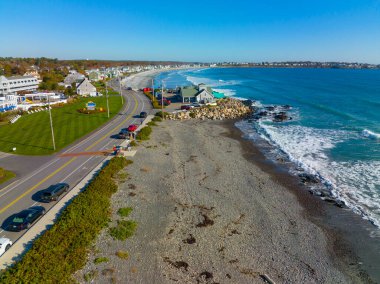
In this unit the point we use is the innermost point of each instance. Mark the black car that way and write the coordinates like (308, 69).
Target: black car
(123, 134)
(54, 192)
(24, 219)
(143, 114)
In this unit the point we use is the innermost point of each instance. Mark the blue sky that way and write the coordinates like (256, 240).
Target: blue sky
(208, 30)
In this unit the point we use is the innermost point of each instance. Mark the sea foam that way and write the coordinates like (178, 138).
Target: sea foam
(356, 183)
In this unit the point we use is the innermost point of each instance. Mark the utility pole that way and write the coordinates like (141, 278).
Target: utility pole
(51, 123)
(162, 99)
(153, 87)
(121, 95)
(108, 107)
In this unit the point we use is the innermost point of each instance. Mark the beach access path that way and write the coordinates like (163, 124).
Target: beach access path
(207, 213)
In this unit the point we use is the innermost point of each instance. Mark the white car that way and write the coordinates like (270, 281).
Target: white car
(5, 244)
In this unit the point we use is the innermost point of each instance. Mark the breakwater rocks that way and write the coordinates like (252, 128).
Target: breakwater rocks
(224, 109)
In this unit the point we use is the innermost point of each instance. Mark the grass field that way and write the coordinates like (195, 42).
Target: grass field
(31, 134)
(7, 175)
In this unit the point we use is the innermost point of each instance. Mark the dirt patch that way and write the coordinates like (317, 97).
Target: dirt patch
(177, 264)
(190, 240)
(206, 221)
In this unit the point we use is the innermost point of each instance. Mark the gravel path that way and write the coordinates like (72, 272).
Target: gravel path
(206, 214)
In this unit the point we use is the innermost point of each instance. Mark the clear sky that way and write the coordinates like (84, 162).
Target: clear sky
(208, 30)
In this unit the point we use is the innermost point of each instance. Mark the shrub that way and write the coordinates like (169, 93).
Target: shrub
(144, 133)
(122, 254)
(100, 260)
(123, 230)
(151, 123)
(133, 143)
(156, 118)
(154, 101)
(161, 114)
(124, 212)
(63, 249)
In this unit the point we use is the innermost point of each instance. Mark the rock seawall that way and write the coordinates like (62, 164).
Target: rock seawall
(224, 109)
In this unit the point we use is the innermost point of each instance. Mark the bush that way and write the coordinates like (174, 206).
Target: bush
(63, 249)
(151, 123)
(133, 143)
(123, 230)
(122, 254)
(144, 133)
(156, 118)
(154, 101)
(100, 260)
(161, 114)
(124, 212)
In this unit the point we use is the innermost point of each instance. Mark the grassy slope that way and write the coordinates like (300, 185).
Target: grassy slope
(31, 134)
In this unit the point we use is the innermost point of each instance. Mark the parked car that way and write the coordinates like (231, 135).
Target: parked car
(5, 245)
(24, 219)
(196, 105)
(123, 134)
(54, 192)
(185, 107)
(164, 100)
(143, 114)
(132, 128)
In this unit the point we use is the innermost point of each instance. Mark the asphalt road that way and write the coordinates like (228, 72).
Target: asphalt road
(37, 173)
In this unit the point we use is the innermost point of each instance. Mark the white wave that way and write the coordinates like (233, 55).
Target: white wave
(226, 92)
(369, 134)
(210, 82)
(357, 183)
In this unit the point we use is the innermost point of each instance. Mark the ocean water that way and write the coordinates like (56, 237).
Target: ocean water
(334, 133)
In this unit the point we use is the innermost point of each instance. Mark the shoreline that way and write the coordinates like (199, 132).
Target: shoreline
(217, 210)
(355, 242)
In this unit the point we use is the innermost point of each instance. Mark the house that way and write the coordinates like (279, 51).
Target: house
(17, 83)
(201, 94)
(86, 88)
(94, 76)
(74, 77)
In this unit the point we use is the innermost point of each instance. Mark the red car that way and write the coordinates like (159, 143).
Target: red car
(132, 128)
(166, 102)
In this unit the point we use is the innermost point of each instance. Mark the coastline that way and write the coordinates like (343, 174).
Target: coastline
(217, 210)
(144, 79)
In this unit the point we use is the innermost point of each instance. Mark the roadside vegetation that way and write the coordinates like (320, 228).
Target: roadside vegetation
(31, 134)
(144, 133)
(6, 175)
(63, 249)
(154, 101)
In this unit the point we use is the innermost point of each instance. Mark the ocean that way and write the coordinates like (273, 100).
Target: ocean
(334, 133)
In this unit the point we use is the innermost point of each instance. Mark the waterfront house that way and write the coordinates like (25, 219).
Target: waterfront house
(201, 94)
(16, 84)
(86, 88)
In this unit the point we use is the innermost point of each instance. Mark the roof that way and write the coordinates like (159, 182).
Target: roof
(20, 77)
(189, 92)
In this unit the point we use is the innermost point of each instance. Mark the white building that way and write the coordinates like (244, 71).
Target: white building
(86, 88)
(17, 83)
(8, 102)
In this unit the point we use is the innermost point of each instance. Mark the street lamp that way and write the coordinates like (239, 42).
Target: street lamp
(108, 107)
(121, 95)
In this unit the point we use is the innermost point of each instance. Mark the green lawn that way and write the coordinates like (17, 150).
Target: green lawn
(7, 176)
(31, 134)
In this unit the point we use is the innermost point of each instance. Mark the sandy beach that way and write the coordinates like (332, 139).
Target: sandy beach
(208, 212)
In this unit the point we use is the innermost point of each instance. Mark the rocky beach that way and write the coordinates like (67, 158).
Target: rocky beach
(211, 210)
